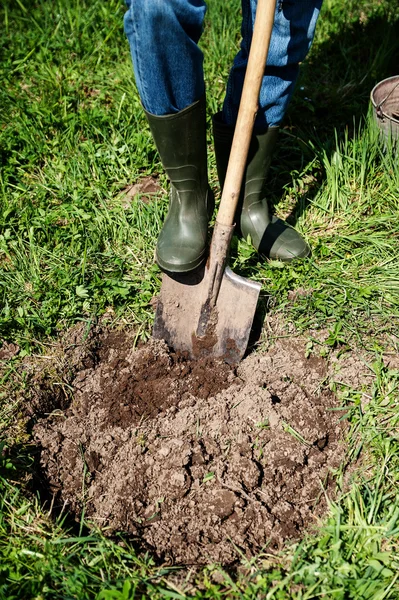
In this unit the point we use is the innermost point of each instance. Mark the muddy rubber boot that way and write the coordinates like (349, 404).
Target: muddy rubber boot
(181, 142)
(271, 236)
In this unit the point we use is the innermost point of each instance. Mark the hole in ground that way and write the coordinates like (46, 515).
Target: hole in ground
(197, 461)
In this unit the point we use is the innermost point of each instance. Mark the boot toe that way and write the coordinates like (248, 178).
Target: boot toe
(282, 242)
(179, 258)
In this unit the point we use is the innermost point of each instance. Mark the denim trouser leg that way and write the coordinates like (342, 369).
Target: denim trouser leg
(168, 64)
(292, 35)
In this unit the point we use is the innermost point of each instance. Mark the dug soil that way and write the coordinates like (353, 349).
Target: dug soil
(197, 461)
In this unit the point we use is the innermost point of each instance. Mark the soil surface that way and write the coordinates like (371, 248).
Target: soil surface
(197, 461)
(146, 189)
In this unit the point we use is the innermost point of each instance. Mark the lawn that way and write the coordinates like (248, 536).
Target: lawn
(74, 246)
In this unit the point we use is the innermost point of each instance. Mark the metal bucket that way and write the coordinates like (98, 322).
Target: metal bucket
(385, 100)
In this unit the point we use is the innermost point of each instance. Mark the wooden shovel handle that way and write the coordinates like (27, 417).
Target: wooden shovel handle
(247, 112)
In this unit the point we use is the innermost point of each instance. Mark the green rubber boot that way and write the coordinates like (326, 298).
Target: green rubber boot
(181, 142)
(271, 236)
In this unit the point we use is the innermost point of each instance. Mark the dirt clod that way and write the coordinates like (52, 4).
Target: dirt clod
(196, 460)
(145, 189)
(8, 351)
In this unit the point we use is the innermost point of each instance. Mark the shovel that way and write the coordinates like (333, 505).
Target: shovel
(210, 312)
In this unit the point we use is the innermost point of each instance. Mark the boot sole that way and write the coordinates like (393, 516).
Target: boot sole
(186, 268)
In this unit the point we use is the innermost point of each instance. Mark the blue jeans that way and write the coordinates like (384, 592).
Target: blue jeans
(168, 64)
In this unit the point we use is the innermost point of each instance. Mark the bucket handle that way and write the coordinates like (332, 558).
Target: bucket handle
(379, 112)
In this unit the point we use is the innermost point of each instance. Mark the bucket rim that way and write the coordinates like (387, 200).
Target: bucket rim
(378, 108)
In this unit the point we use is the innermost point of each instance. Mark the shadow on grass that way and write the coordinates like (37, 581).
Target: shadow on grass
(332, 96)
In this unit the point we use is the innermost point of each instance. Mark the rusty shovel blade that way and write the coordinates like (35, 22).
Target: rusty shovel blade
(180, 309)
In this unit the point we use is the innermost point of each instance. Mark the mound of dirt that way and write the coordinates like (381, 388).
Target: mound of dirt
(197, 461)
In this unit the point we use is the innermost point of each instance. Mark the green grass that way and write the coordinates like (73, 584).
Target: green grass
(352, 278)
(72, 137)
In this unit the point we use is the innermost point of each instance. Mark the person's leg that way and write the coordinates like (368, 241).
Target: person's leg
(292, 35)
(168, 66)
(167, 62)
(293, 31)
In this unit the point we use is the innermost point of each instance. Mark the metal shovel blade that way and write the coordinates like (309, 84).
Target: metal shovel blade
(181, 305)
